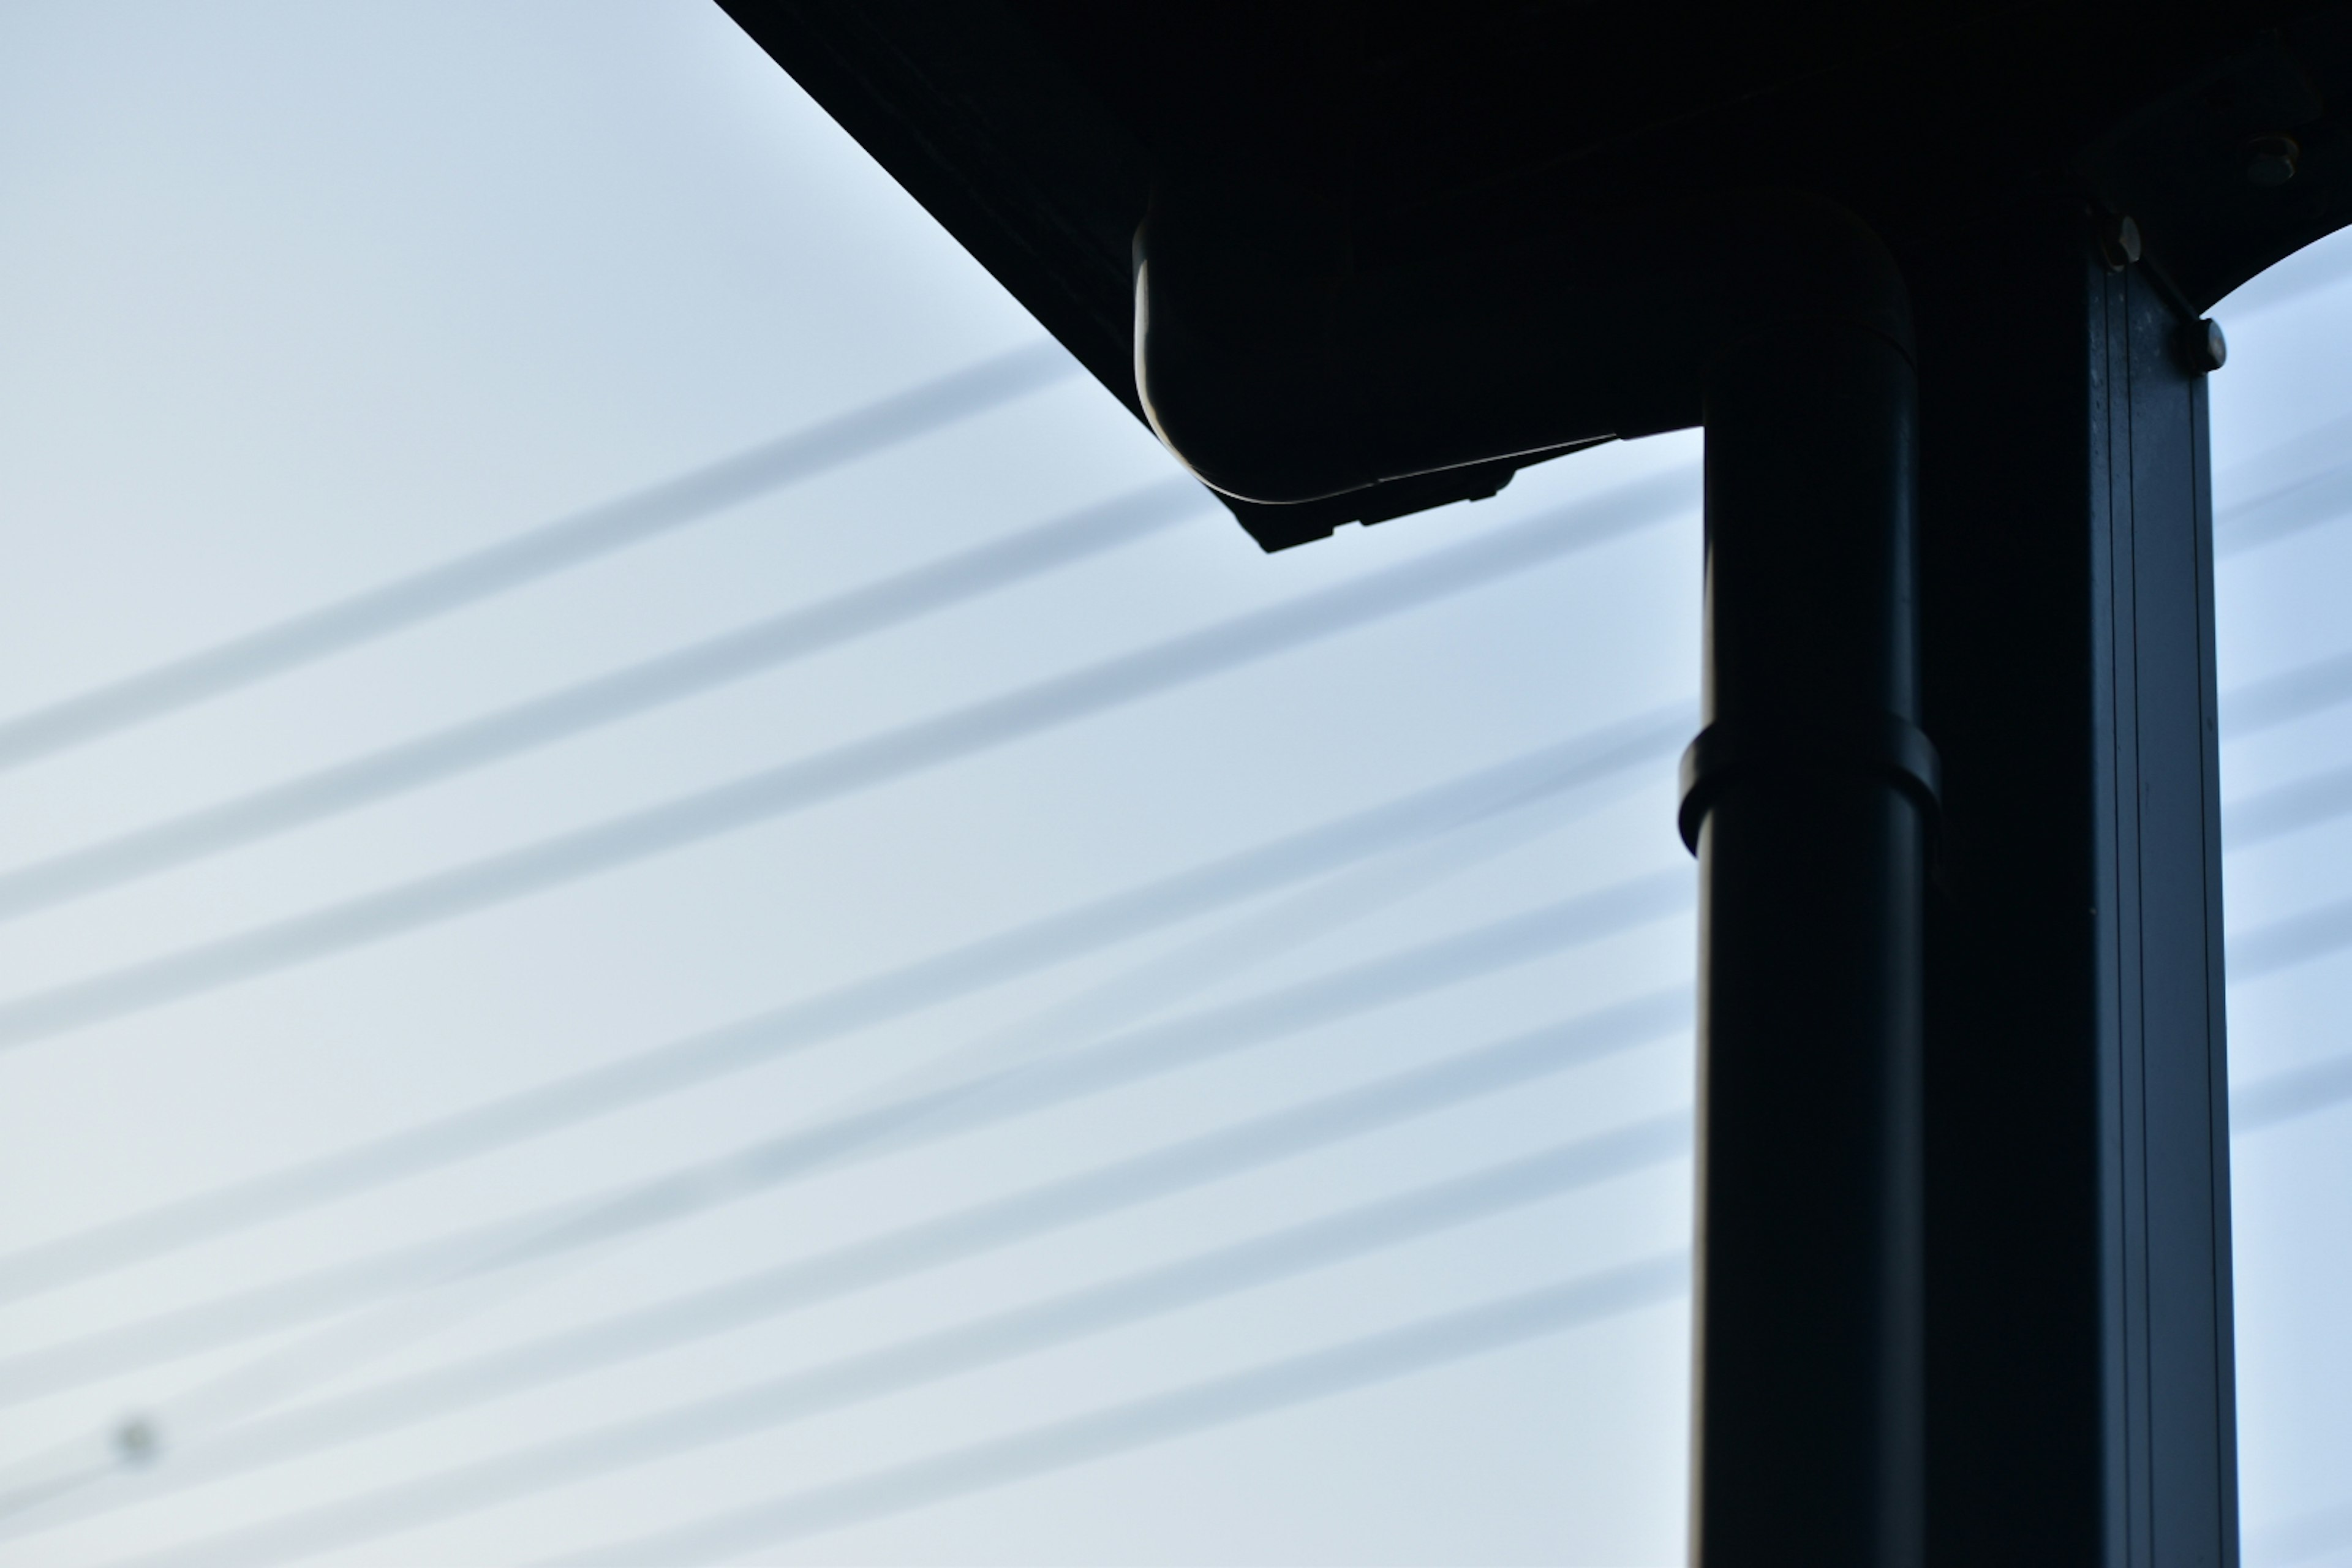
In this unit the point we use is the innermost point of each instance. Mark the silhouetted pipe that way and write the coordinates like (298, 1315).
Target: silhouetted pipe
(1804, 797)
(1280, 371)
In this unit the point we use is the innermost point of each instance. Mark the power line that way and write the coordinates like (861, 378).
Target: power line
(771, 792)
(1217, 1402)
(2277, 700)
(799, 1395)
(1025, 1331)
(2285, 1095)
(887, 1127)
(2274, 813)
(264, 1382)
(540, 552)
(2290, 508)
(1061, 1202)
(654, 683)
(2284, 943)
(897, 992)
(274, 1377)
(2286, 809)
(1183, 971)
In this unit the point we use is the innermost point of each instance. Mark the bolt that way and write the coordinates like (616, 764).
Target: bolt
(2118, 242)
(2271, 161)
(2203, 346)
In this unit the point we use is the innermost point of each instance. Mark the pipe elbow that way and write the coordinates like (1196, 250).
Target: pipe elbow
(1776, 259)
(1237, 331)
(1277, 372)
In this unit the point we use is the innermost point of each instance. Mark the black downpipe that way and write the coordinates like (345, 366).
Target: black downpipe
(1804, 799)
(1280, 373)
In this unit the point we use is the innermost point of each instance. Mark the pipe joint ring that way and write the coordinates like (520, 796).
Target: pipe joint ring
(1871, 744)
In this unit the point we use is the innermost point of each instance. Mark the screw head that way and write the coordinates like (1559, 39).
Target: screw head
(2203, 347)
(2118, 242)
(2271, 161)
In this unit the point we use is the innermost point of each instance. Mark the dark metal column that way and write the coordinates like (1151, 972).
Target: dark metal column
(1808, 799)
(2080, 1375)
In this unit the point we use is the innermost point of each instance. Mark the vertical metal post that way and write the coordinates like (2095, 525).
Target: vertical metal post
(1808, 798)
(2081, 1400)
